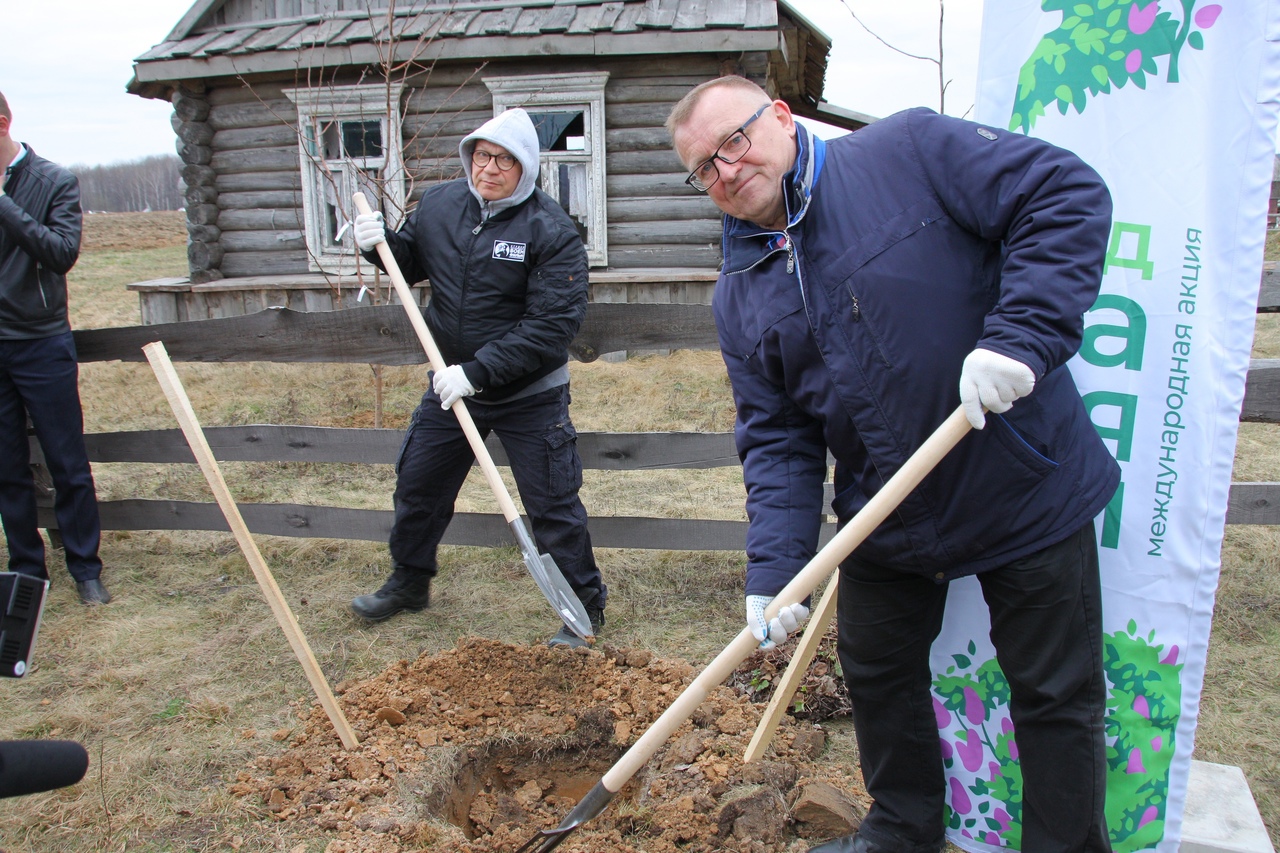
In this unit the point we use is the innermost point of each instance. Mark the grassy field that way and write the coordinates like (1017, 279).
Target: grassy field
(185, 678)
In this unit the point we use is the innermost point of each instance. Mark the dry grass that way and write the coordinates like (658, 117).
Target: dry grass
(185, 678)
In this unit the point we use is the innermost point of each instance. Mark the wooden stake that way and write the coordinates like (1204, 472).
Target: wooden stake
(800, 660)
(181, 405)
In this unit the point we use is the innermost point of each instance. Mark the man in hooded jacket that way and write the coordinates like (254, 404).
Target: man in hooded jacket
(508, 273)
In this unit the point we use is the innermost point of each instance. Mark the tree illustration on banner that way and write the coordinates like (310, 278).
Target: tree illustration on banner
(1101, 43)
(980, 749)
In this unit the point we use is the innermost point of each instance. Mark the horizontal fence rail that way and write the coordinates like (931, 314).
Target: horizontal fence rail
(383, 335)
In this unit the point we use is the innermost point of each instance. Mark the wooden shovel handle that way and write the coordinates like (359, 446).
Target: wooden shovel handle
(182, 410)
(826, 561)
(483, 458)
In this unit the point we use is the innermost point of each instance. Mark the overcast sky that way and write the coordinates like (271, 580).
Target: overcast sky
(64, 67)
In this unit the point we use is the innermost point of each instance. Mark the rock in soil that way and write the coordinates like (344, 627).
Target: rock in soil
(478, 747)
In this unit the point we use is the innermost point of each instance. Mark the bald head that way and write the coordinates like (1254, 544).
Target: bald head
(733, 111)
(681, 111)
(4, 108)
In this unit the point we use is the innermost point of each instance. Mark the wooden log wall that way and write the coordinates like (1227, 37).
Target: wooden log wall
(244, 200)
(383, 335)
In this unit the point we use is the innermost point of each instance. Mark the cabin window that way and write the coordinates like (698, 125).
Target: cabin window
(347, 141)
(568, 112)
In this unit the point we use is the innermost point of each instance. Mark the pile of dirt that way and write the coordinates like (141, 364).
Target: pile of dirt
(128, 231)
(478, 747)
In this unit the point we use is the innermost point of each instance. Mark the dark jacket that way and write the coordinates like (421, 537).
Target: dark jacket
(508, 293)
(40, 225)
(911, 242)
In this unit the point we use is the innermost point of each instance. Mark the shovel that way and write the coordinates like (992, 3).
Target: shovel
(819, 568)
(546, 574)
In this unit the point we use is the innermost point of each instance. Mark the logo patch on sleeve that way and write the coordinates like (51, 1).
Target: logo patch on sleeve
(506, 251)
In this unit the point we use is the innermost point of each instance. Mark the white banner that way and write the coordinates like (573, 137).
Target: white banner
(1175, 103)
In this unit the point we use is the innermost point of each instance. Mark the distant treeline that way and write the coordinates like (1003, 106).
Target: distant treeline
(151, 183)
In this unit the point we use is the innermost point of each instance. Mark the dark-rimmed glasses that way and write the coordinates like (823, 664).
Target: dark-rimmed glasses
(734, 148)
(506, 162)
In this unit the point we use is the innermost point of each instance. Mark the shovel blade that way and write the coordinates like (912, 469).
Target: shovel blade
(547, 575)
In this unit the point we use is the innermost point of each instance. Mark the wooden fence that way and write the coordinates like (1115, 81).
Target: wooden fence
(383, 335)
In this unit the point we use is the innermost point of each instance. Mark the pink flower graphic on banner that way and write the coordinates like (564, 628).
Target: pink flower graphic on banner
(1140, 20)
(941, 714)
(973, 709)
(1140, 705)
(970, 750)
(1135, 762)
(1149, 815)
(960, 802)
(1207, 16)
(1101, 46)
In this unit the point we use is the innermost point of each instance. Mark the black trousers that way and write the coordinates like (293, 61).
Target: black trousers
(542, 450)
(40, 378)
(1046, 627)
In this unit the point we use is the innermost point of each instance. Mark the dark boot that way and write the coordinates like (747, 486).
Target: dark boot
(567, 639)
(404, 590)
(92, 592)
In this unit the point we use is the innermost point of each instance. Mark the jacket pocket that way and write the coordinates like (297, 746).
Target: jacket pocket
(1025, 450)
(564, 465)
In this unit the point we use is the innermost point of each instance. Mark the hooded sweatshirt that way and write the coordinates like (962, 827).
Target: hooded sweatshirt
(508, 277)
(514, 131)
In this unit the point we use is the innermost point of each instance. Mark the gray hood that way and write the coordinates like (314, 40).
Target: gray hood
(514, 131)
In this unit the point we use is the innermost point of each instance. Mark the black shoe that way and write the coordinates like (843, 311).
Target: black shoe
(92, 592)
(565, 637)
(404, 590)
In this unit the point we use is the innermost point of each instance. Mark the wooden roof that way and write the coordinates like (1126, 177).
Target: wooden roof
(218, 37)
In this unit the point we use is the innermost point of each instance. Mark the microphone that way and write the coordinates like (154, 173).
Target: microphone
(32, 766)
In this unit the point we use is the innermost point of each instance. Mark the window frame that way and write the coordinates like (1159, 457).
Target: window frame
(321, 105)
(560, 92)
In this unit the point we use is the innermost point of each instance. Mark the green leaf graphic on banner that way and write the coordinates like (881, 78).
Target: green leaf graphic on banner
(1101, 44)
(980, 750)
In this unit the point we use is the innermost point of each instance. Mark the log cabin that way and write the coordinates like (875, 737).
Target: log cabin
(283, 108)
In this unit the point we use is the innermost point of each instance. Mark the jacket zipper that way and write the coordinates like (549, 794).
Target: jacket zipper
(462, 299)
(40, 284)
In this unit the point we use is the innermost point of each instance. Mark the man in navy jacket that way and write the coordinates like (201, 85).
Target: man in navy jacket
(39, 242)
(870, 285)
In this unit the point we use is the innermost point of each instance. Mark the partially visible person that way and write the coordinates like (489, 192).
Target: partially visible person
(872, 284)
(40, 223)
(508, 276)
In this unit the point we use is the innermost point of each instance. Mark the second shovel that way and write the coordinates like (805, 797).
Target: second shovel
(546, 574)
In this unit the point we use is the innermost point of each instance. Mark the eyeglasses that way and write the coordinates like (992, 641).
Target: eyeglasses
(733, 149)
(506, 162)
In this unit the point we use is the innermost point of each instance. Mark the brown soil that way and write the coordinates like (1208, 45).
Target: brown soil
(479, 747)
(128, 231)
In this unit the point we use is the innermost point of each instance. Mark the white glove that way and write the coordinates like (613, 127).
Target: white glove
(452, 385)
(369, 231)
(989, 379)
(786, 622)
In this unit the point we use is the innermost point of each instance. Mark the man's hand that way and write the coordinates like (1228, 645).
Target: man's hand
(452, 385)
(370, 231)
(786, 622)
(991, 380)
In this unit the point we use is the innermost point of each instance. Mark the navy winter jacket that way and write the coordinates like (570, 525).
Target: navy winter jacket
(910, 243)
(40, 222)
